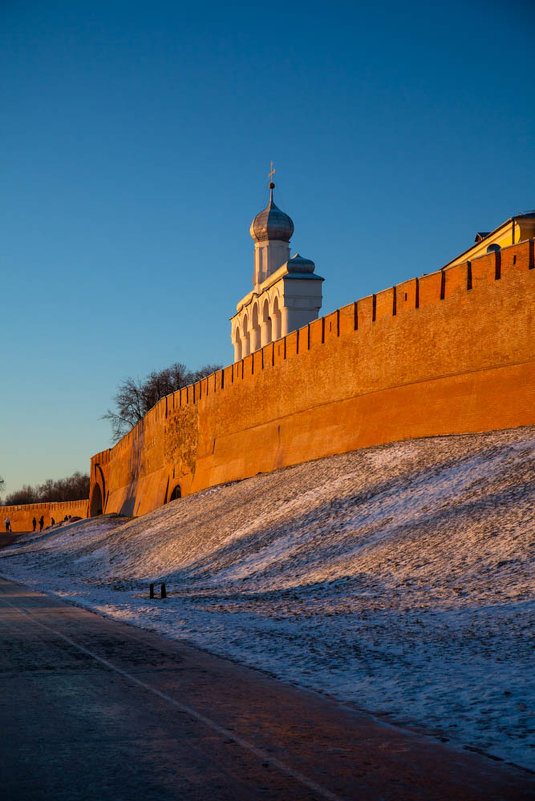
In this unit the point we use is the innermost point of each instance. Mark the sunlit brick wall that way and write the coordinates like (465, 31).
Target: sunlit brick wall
(21, 516)
(450, 352)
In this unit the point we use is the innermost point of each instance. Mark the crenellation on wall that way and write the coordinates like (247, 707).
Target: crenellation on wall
(365, 311)
(406, 296)
(484, 269)
(21, 515)
(316, 330)
(384, 304)
(345, 381)
(332, 325)
(347, 320)
(292, 344)
(278, 352)
(256, 362)
(455, 279)
(517, 257)
(430, 286)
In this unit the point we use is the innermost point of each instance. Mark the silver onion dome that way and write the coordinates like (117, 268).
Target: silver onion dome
(271, 223)
(298, 264)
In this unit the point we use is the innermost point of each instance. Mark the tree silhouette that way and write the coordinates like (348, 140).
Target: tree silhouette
(135, 396)
(73, 488)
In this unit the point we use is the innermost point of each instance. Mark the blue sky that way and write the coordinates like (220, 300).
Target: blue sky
(135, 146)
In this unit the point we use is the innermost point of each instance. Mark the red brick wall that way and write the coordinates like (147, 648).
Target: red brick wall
(450, 352)
(21, 516)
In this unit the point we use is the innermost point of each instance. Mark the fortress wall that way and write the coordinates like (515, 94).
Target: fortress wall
(21, 516)
(450, 352)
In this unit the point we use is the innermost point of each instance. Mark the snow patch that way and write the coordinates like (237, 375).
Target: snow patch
(398, 578)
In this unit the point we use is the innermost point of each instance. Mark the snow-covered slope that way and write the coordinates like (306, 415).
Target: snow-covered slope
(398, 578)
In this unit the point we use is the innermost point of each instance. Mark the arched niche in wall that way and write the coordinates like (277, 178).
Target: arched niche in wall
(176, 493)
(96, 505)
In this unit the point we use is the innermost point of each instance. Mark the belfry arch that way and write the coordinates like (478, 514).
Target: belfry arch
(237, 345)
(255, 329)
(246, 342)
(286, 292)
(276, 319)
(267, 327)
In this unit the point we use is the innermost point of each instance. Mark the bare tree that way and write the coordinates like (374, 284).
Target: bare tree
(135, 396)
(73, 488)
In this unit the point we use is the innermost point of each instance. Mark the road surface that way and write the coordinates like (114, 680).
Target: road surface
(95, 709)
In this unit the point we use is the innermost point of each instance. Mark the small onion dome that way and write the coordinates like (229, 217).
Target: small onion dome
(271, 223)
(298, 264)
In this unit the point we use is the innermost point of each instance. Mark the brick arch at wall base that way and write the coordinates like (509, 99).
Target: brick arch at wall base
(21, 516)
(176, 493)
(96, 504)
(450, 352)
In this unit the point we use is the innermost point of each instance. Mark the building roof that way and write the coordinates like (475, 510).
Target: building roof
(513, 230)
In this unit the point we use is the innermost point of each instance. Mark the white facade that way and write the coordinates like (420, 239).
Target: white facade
(286, 293)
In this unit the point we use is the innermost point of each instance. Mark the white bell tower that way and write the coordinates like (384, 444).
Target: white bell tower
(286, 292)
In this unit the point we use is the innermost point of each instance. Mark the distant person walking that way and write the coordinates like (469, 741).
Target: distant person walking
(34, 523)
(52, 522)
(41, 523)
(7, 521)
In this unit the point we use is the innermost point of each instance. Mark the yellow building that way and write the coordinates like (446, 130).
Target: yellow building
(515, 229)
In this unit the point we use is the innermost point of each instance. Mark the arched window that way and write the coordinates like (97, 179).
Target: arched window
(237, 345)
(255, 329)
(276, 316)
(267, 329)
(493, 248)
(246, 345)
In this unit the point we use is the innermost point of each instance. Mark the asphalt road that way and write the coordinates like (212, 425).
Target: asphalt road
(94, 709)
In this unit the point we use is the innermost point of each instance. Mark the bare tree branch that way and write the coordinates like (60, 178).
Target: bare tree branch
(135, 397)
(73, 488)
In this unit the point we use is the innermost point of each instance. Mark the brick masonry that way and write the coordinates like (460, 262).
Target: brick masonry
(450, 352)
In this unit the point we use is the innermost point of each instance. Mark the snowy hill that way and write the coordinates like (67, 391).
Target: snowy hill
(398, 578)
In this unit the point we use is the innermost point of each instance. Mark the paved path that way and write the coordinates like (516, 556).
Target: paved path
(94, 709)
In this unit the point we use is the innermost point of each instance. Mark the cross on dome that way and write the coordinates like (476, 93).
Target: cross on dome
(272, 223)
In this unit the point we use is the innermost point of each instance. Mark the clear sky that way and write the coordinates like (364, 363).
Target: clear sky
(135, 145)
